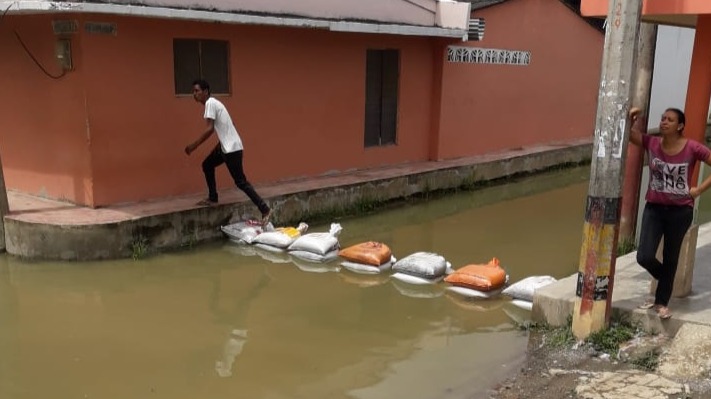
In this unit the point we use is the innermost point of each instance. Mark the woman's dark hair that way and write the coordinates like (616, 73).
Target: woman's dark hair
(679, 115)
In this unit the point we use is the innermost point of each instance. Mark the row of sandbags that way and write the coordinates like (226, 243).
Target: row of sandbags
(419, 269)
(312, 247)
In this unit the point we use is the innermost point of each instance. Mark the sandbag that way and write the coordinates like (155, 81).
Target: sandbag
(519, 303)
(416, 280)
(269, 248)
(362, 268)
(479, 277)
(318, 243)
(472, 293)
(312, 257)
(243, 232)
(422, 264)
(525, 288)
(281, 237)
(368, 253)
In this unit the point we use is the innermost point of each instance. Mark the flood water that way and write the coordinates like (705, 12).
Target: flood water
(221, 322)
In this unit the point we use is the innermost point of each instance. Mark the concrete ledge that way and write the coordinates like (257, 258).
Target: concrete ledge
(554, 303)
(91, 234)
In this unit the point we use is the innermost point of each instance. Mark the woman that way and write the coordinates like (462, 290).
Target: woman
(669, 207)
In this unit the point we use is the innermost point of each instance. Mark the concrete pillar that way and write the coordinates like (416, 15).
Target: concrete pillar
(635, 154)
(685, 269)
(596, 269)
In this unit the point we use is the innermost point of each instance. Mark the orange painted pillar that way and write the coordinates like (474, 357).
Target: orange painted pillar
(699, 90)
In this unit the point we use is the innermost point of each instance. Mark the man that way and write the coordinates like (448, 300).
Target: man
(229, 150)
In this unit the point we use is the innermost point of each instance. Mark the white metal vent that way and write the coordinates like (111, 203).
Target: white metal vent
(476, 29)
(477, 55)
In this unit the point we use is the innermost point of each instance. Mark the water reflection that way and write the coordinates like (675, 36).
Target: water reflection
(225, 321)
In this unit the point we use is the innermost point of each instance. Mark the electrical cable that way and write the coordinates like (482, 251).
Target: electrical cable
(27, 50)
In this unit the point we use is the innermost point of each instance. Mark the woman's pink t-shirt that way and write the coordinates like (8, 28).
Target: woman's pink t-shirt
(669, 174)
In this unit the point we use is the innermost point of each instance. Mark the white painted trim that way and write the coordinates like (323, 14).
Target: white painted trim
(49, 7)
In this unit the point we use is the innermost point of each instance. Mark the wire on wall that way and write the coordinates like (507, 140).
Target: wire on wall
(39, 65)
(27, 50)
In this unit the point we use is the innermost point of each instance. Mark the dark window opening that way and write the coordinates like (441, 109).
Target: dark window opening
(205, 59)
(382, 76)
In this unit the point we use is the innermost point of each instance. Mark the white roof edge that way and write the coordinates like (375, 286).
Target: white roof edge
(48, 7)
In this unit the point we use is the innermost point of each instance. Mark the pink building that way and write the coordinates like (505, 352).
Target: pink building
(313, 86)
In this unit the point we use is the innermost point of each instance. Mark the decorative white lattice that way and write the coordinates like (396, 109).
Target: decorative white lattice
(476, 55)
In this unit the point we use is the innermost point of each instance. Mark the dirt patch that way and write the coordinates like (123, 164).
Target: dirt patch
(564, 371)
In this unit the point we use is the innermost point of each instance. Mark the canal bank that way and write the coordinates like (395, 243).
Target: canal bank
(38, 228)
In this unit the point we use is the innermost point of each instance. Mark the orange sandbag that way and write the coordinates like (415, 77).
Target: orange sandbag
(479, 277)
(367, 253)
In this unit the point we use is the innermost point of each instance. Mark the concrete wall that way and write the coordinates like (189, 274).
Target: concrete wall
(45, 135)
(298, 100)
(490, 107)
(113, 130)
(672, 62)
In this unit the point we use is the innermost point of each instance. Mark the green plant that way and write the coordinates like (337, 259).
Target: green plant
(609, 340)
(139, 247)
(649, 361)
(626, 246)
(554, 337)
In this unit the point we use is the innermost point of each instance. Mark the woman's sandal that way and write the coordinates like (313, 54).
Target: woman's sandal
(648, 304)
(664, 312)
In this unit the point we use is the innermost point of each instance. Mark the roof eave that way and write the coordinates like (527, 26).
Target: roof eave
(44, 7)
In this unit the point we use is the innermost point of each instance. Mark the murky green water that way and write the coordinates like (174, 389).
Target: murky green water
(218, 322)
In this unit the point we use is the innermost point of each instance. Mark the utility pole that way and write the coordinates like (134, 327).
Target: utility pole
(635, 154)
(602, 211)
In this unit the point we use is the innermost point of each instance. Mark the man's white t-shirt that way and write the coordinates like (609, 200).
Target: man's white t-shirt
(226, 132)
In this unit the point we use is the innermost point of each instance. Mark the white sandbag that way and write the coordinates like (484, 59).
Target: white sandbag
(318, 243)
(427, 291)
(471, 293)
(242, 231)
(422, 264)
(415, 280)
(274, 239)
(518, 314)
(522, 304)
(313, 267)
(269, 248)
(525, 288)
(281, 237)
(312, 257)
(362, 268)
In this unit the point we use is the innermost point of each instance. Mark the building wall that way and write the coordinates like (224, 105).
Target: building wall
(113, 130)
(45, 134)
(298, 100)
(492, 107)
(672, 62)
